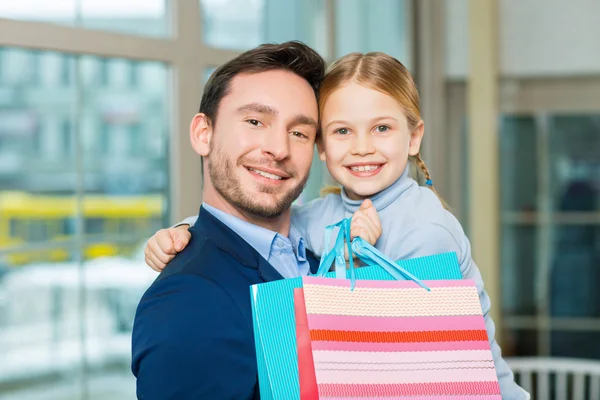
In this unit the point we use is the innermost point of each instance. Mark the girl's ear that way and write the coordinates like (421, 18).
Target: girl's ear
(416, 136)
(321, 148)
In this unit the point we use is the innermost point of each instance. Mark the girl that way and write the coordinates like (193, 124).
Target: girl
(371, 132)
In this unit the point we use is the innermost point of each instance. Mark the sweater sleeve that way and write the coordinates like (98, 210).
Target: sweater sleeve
(191, 221)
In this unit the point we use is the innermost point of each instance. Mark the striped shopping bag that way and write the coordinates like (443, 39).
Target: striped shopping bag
(395, 340)
(274, 314)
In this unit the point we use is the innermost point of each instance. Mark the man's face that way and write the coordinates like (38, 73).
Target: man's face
(262, 143)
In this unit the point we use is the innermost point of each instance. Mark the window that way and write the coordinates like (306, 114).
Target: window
(233, 24)
(104, 72)
(139, 17)
(136, 140)
(38, 230)
(242, 24)
(364, 26)
(57, 192)
(65, 70)
(2, 62)
(35, 68)
(67, 138)
(94, 226)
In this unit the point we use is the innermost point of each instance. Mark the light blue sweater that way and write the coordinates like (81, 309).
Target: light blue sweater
(414, 224)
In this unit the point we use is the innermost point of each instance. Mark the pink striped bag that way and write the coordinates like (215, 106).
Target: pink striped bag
(396, 340)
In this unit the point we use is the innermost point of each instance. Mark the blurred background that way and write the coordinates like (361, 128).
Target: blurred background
(96, 97)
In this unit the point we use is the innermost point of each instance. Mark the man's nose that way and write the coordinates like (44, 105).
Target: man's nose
(277, 145)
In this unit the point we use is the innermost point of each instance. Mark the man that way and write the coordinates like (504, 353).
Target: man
(256, 131)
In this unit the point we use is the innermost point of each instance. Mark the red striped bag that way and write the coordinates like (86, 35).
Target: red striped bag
(394, 340)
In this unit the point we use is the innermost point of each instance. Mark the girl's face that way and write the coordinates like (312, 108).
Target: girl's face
(366, 139)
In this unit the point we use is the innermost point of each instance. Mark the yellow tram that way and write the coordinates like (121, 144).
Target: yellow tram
(33, 218)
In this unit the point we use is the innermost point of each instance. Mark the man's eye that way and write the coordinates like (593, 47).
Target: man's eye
(254, 122)
(299, 134)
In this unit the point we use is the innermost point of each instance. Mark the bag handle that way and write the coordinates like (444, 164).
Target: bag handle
(363, 250)
(336, 254)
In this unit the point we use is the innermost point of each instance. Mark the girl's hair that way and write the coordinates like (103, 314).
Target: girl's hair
(385, 74)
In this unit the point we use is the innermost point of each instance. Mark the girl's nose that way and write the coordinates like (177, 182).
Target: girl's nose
(363, 145)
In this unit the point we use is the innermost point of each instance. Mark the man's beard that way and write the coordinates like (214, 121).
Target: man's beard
(224, 179)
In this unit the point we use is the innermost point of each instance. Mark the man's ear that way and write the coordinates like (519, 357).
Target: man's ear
(201, 131)
(416, 136)
(321, 148)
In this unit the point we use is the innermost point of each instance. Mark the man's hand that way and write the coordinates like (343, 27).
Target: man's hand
(164, 246)
(366, 223)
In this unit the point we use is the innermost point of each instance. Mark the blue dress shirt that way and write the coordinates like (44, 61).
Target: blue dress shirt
(286, 254)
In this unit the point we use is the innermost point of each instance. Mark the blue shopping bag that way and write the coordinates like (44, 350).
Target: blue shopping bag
(273, 304)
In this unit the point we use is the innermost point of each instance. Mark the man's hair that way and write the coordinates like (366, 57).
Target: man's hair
(293, 56)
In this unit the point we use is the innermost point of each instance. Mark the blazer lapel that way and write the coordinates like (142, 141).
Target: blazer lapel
(313, 261)
(267, 272)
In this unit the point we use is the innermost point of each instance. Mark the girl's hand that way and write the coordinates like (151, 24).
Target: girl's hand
(164, 246)
(366, 223)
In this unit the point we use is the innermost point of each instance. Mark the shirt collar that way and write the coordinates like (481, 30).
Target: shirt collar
(384, 198)
(298, 244)
(261, 239)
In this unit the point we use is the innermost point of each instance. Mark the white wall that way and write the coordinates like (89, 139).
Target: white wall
(536, 38)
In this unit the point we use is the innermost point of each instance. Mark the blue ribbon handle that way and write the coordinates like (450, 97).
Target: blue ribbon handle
(370, 254)
(336, 254)
(362, 249)
(328, 255)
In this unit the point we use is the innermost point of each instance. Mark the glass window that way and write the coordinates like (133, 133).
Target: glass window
(575, 156)
(42, 322)
(38, 230)
(233, 24)
(519, 262)
(518, 168)
(141, 17)
(136, 140)
(574, 272)
(243, 24)
(65, 73)
(35, 68)
(130, 128)
(67, 138)
(134, 73)
(364, 26)
(37, 180)
(94, 225)
(2, 68)
(40, 328)
(551, 231)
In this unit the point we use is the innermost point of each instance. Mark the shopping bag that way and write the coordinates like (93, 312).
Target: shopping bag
(274, 319)
(306, 364)
(395, 339)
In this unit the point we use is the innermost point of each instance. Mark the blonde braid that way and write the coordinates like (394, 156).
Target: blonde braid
(424, 178)
(330, 189)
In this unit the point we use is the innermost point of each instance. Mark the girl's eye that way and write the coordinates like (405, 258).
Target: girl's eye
(254, 122)
(382, 128)
(341, 131)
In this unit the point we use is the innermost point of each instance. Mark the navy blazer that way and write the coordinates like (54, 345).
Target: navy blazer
(192, 336)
